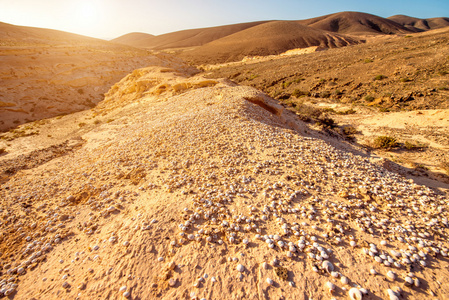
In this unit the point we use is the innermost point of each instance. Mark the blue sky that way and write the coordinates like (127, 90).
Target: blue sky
(112, 18)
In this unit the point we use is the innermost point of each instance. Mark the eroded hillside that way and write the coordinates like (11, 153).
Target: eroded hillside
(46, 73)
(394, 87)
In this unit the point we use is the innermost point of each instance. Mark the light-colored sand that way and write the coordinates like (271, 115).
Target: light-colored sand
(165, 191)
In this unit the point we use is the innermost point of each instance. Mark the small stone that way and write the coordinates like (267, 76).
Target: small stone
(240, 268)
(391, 275)
(172, 282)
(355, 294)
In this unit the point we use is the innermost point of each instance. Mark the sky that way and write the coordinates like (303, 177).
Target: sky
(109, 19)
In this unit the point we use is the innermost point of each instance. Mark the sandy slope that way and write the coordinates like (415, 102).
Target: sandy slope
(184, 38)
(420, 24)
(46, 73)
(356, 23)
(175, 180)
(269, 38)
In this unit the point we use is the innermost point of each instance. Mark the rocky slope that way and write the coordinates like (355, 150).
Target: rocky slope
(182, 187)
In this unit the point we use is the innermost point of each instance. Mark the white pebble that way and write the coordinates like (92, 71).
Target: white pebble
(240, 268)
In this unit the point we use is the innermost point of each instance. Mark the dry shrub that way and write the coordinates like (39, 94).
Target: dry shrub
(385, 142)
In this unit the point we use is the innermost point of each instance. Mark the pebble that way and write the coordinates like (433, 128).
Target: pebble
(322, 171)
(355, 294)
(391, 275)
(172, 282)
(240, 268)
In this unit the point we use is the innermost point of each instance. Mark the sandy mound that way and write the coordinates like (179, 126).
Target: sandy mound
(269, 38)
(186, 38)
(212, 192)
(355, 23)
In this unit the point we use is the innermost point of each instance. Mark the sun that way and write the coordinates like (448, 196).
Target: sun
(88, 10)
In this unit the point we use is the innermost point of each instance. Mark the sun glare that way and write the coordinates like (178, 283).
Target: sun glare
(88, 10)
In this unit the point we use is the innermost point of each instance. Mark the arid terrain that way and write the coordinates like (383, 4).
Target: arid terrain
(390, 86)
(237, 177)
(46, 73)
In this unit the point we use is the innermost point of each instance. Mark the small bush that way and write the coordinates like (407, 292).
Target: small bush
(325, 94)
(414, 146)
(406, 79)
(96, 122)
(380, 77)
(346, 112)
(369, 98)
(286, 84)
(2, 150)
(326, 122)
(338, 93)
(80, 91)
(81, 124)
(385, 142)
(349, 130)
(298, 93)
(252, 77)
(309, 111)
(368, 60)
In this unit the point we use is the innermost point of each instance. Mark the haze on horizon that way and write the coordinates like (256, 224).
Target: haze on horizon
(110, 19)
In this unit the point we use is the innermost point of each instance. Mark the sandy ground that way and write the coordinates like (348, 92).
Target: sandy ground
(181, 187)
(43, 81)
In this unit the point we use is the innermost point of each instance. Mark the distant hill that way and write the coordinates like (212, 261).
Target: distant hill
(184, 38)
(135, 39)
(13, 34)
(355, 23)
(416, 24)
(269, 38)
(45, 73)
(352, 23)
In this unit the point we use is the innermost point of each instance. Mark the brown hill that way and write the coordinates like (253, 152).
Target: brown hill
(45, 73)
(269, 38)
(416, 24)
(355, 23)
(22, 35)
(185, 38)
(134, 39)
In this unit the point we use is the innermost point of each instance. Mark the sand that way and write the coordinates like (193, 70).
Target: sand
(175, 181)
